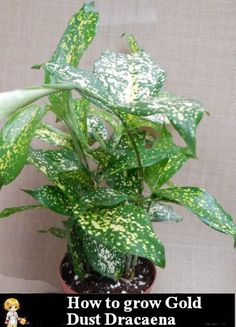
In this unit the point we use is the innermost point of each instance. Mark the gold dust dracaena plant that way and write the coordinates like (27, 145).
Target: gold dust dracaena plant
(116, 144)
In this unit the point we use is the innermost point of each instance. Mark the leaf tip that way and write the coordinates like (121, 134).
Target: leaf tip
(133, 44)
(42, 231)
(37, 66)
(89, 6)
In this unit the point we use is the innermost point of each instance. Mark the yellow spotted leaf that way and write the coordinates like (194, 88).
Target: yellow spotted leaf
(75, 40)
(53, 198)
(202, 204)
(15, 139)
(125, 229)
(52, 135)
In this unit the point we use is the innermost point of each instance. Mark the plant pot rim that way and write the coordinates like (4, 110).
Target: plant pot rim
(68, 290)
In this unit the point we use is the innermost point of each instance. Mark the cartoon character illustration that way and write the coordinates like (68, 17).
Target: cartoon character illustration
(12, 305)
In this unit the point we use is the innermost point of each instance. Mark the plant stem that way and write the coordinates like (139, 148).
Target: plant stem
(140, 168)
(133, 265)
(127, 265)
(70, 123)
(133, 259)
(136, 150)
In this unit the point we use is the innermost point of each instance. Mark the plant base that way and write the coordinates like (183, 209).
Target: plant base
(144, 280)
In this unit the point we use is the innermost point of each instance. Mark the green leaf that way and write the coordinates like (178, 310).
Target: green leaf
(106, 262)
(13, 100)
(137, 136)
(87, 127)
(77, 180)
(201, 204)
(78, 35)
(125, 181)
(154, 173)
(80, 113)
(126, 229)
(113, 121)
(126, 159)
(15, 139)
(52, 162)
(85, 82)
(57, 232)
(155, 122)
(129, 77)
(105, 197)
(53, 198)
(63, 168)
(74, 249)
(174, 164)
(52, 135)
(97, 128)
(161, 212)
(133, 45)
(101, 157)
(184, 114)
(160, 173)
(11, 211)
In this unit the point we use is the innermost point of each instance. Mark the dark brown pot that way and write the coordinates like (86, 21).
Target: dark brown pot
(68, 290)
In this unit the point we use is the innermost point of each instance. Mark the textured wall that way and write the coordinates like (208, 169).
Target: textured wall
(194, 41)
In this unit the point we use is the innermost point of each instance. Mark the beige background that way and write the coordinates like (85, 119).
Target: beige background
(194, 41)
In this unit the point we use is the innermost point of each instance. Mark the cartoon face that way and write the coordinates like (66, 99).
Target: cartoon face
(11, 305)
(13, 308)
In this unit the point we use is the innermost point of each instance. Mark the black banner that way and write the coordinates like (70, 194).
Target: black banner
(190, 310)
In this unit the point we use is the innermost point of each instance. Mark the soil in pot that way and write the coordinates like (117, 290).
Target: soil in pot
(95, 283)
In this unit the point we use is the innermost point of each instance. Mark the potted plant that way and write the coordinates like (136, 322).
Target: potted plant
(110, 171)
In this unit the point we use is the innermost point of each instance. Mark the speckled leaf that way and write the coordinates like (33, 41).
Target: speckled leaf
(11, 211)
(133, 44)
(75, 40)
(129, 77)
(13, 100)
(161, 212)
(78, 35)
(53, 198)
(106, 262)
(110, 118)
(80, 113)
(52, 135)
(125, 181)
(52, 162)
(97, 128)
(104, 197)
(85, 82)
(137, 135)
(74, 249)
(126, 159)
(184, 114)
(126, 229)
(15, 138)
(156, 119)
(63, 168)
(101, 157)
(77, 180)
(160, 173)
(57, 232)
(116, 126)
(201, 204)
(153, 174)
(173, 165)
(148, 121)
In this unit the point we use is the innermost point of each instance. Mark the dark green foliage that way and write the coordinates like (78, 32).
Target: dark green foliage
(114, 157)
